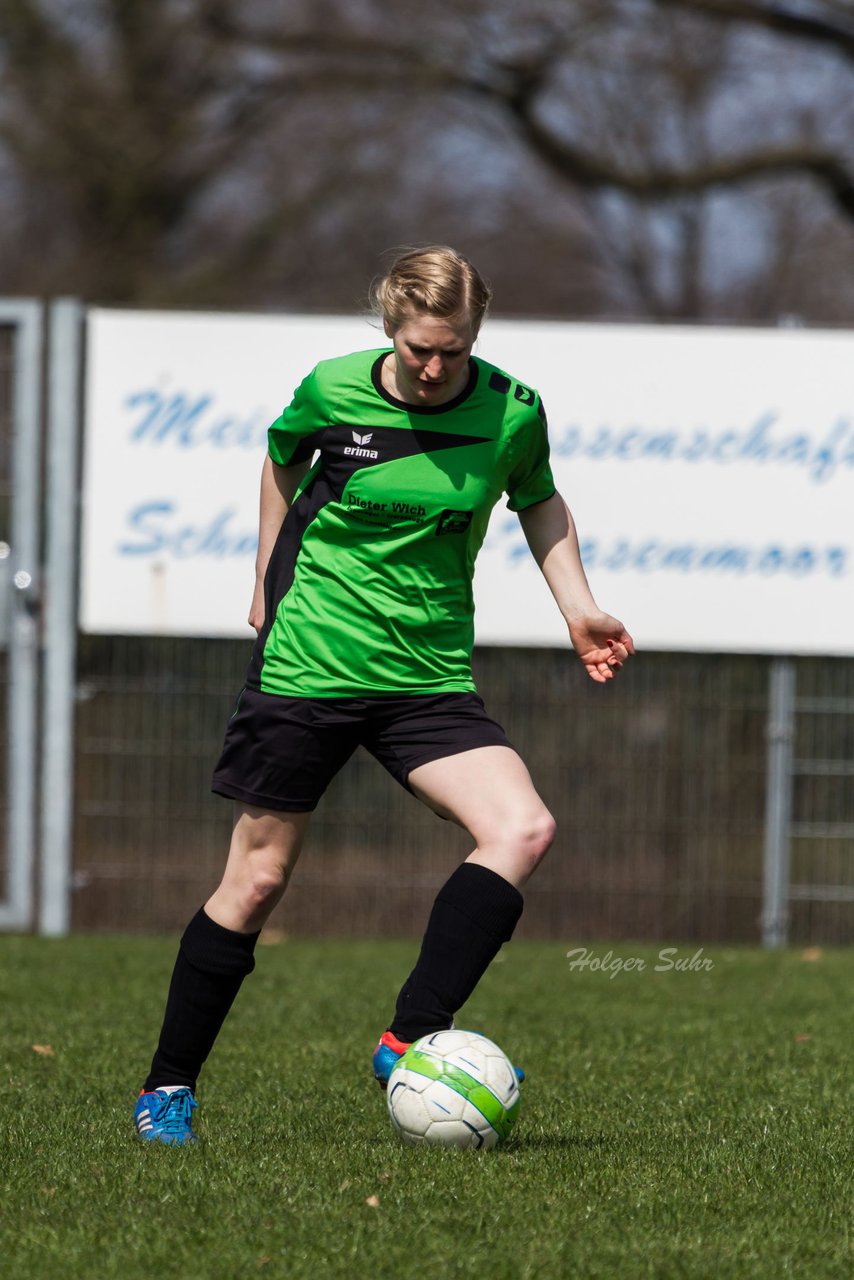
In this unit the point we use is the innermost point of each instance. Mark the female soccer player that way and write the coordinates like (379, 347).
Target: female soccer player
(375, 498)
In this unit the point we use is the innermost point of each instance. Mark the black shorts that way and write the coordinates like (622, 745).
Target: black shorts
(282, 753)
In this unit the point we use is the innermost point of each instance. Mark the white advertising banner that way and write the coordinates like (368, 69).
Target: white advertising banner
(709, 471)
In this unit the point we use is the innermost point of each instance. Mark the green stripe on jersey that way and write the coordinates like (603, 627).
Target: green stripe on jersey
(479, 1095)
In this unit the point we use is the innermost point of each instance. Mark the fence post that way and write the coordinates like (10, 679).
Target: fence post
(60, 615)
(778, 802)
(22, 592)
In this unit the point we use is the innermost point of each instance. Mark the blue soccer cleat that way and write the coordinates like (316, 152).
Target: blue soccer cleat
(165, 1115)
(386, 1054)
(390, 1049)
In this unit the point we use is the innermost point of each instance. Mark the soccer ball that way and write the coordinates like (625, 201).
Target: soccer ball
(453, 1089)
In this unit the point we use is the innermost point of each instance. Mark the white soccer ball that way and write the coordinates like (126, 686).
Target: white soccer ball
(453, 1089)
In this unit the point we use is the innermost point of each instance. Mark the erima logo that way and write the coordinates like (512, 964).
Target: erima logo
(358, 450)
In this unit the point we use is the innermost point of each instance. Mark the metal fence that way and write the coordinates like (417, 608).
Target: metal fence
(692, 799)
(658, 784)
(6, 338)
(20, 515)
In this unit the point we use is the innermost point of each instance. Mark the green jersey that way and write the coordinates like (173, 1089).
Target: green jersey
(369, 586)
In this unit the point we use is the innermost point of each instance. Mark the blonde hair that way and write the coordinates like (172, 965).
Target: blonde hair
(434, 280)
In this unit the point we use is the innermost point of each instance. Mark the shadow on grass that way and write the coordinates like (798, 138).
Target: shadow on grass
(531, 1142)
(557, 1142)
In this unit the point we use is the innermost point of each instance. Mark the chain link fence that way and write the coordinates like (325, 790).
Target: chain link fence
(657, 783)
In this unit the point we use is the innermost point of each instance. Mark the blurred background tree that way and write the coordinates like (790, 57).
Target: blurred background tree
(657, 159)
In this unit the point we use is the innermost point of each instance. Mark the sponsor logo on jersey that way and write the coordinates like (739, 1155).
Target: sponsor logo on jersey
(389, 511)
(453, 521)
(359, 450)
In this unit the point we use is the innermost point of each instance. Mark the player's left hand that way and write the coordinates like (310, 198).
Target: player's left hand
(602, 643)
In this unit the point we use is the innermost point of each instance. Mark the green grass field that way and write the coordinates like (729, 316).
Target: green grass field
(674, 1124)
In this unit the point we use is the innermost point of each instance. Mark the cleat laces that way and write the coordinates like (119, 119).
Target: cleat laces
(173, 1113)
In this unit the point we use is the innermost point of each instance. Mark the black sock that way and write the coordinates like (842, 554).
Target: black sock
(475, 911)
(212, 963)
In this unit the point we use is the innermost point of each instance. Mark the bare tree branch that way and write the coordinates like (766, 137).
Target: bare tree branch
(197, 149)
(773, 17)
(517, 89)
(661, 184)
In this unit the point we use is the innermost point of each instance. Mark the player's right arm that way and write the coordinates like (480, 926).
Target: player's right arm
(278, 487)
(291, 443)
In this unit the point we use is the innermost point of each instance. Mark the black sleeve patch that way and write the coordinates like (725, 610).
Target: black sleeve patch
(500, 382)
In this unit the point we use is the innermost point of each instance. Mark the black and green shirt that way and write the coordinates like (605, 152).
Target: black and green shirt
(369, 586)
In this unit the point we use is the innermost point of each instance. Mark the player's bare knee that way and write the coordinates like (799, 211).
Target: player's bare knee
(541, 834)
(265, 885)
(257, 880)
(529, 839)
